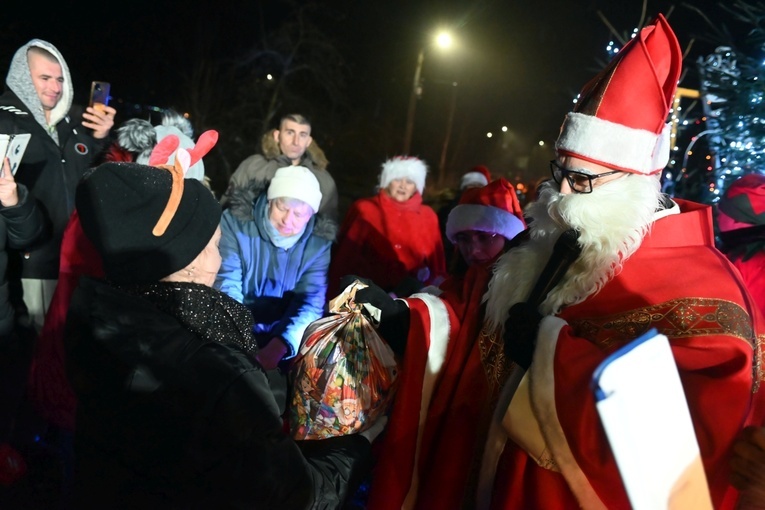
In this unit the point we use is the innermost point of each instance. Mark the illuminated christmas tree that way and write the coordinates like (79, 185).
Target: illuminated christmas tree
(730, 141)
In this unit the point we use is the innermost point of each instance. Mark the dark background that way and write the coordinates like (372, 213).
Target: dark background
(351, 63)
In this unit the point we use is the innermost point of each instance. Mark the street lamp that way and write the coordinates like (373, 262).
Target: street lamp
(442, 40)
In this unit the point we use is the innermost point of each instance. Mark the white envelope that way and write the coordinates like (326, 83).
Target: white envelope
(642, 406)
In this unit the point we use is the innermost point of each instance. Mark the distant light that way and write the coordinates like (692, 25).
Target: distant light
(269, 76)
(489, 135)
(504, 129)
(444, 39)
(541, 143)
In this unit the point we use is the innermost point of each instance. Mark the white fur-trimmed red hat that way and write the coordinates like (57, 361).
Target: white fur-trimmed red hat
(620, 120)
(400, 167)
(493, 208)
(479, 175)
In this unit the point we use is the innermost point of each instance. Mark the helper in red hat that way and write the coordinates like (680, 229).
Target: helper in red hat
(442, 381)
(741, 221)
(482, 222)
(646, 262)
(477, 177)
(391, 238)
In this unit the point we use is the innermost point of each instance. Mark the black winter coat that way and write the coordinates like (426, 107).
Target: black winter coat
(20, 225)
(51, 173)
(169, 420)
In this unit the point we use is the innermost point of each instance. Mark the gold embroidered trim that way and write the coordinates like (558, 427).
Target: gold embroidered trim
(677, 318)
(495, 365)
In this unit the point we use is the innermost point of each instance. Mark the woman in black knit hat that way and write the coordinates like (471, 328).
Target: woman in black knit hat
(173, 410)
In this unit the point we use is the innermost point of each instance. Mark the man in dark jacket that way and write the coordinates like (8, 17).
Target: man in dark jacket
(38, 100)
(290, 144)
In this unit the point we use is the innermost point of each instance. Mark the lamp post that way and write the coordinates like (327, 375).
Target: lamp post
(413, 96)
(443, 40)
(449, 124)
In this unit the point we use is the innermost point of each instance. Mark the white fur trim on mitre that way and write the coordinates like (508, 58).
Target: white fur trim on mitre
(614, 145)
(398, 168)
(542, 389)
(483, 218)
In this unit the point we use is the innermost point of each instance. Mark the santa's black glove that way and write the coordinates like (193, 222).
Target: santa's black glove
(407, 286)
(394, 314)
(348, 279)
(521, 329)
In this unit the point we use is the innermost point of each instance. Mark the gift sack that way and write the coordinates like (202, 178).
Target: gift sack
(344, 376)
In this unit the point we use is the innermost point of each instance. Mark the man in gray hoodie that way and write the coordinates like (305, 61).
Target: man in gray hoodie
(65, 139)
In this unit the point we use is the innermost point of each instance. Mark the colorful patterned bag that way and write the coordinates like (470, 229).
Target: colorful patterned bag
(344, 376)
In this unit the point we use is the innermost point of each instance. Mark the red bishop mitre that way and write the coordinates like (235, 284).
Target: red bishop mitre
(620, 120)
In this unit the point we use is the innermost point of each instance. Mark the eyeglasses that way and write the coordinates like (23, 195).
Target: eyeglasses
(579, 182)
(482, 238)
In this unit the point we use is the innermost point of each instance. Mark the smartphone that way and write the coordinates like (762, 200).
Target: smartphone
(99, 93)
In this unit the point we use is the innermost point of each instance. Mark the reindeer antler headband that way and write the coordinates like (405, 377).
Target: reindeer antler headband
(184, 159)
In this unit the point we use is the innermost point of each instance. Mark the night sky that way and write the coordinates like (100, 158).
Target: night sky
(517, 63)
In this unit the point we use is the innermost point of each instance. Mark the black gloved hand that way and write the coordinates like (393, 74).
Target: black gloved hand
(520, 335)
(394, 315)
(408, 286)
(348, 279)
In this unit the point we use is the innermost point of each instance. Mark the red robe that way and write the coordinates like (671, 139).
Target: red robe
(676, 281)
(434, 418)
(386, 241)
(680, 284)
(753, 272)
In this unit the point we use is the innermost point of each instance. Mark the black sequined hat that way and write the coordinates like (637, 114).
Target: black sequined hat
(146, 222)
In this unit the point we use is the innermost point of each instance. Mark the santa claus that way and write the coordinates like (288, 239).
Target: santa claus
(646, 262)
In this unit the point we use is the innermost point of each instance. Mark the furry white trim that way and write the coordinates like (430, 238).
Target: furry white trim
(473, 179)
(614, 145)
(483, 218)
(437, 343)
(296, 182)
(542, 388)
(399, 168)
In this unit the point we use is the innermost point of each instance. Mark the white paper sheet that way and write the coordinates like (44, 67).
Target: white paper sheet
(642, 406)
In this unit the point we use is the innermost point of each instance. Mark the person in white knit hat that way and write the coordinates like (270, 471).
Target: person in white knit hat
(275, 250)
(391, 238)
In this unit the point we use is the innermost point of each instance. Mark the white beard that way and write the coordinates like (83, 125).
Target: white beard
(612, 222)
